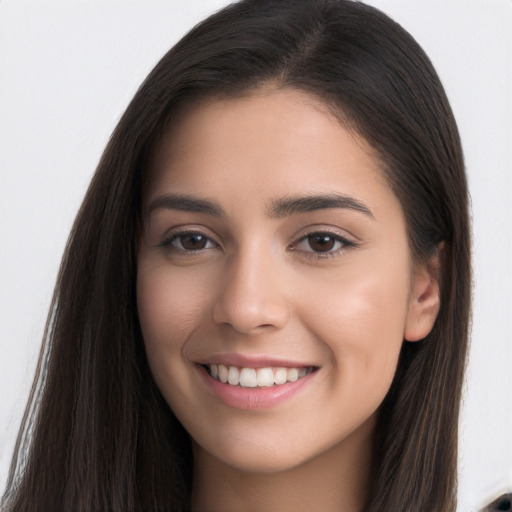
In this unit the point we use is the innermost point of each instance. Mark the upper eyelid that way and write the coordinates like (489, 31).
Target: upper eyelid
(336, 236)
(187, 228)
(173, 233)
(337, 232)
(340, 238)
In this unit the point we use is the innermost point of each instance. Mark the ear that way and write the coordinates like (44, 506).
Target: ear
(424, 300)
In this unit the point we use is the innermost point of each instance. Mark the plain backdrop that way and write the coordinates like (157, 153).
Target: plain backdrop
(67, 71)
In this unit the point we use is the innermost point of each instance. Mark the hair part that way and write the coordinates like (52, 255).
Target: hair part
(97, 434)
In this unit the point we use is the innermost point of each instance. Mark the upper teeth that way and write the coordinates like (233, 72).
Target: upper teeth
(256, 377)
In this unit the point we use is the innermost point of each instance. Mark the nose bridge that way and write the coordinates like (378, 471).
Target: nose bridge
(251, 295)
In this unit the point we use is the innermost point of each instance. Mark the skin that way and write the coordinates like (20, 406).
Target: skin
(260, 286)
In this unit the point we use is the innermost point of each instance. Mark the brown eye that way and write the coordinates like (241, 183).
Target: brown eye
(192, 241)
(188, 242)
(321, 242)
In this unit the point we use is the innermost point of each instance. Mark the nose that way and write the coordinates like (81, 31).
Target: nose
(252, 295)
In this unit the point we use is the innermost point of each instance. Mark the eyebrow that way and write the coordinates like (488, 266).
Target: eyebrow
(279, 208)
(187, 204)
(294, 205)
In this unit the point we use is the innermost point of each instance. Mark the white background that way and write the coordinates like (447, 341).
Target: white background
(68, 70)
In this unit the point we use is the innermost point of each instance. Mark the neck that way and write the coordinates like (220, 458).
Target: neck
(336, 480)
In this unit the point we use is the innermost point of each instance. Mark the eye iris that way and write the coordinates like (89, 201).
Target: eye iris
(193, 241)
(321, 243)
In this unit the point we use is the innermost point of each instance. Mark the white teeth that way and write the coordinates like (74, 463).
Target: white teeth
(248, 378)
(252, 377)
(292, 374)
(265, 377)
(280, 376)
(233, 375)
(223, 373)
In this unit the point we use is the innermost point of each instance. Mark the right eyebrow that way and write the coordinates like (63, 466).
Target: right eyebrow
(186, 203)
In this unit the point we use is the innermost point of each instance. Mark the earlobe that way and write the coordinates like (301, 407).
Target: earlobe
(424, 300)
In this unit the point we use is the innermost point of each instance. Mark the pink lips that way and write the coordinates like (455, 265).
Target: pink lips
(246, 361)
(253, 398)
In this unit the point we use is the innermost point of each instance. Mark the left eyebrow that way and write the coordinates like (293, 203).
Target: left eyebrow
(294, 205)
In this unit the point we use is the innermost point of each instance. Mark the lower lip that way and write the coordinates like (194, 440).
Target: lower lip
(254, 398)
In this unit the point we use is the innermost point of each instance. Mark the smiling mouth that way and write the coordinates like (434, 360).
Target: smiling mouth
(255, 377)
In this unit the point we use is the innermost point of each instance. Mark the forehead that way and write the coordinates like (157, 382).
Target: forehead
(280, 142)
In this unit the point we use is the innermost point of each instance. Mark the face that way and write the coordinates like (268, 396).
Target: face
(274, 256)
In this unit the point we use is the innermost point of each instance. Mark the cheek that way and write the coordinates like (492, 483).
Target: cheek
(361, 320)
(170, 306)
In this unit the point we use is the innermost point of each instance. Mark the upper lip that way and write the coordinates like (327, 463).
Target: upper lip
(251, 361)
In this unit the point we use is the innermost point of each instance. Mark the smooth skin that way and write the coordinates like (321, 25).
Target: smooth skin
(333, 287)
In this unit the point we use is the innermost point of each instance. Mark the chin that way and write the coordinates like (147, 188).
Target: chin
(260, 460)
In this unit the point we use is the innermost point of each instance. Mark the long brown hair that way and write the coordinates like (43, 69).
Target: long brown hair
(97, 435)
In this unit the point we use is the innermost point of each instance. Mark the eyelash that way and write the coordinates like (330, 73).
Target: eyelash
(168, 242)
(336, 238)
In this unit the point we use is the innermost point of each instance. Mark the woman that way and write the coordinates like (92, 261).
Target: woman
(283, 207)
